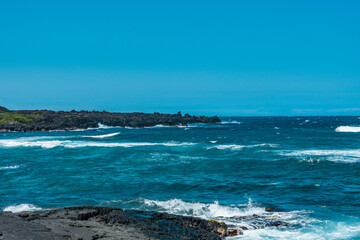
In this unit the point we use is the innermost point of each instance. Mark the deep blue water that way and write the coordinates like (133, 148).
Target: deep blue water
(305, 168)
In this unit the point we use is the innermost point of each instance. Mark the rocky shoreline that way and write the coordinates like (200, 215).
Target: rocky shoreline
(46, 120)
(90, 223)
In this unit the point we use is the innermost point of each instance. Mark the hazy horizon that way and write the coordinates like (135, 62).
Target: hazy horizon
(236, 58)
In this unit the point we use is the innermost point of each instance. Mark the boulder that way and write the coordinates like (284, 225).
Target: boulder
(4, 109)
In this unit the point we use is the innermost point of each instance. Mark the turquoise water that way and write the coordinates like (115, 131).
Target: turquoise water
(306, 169)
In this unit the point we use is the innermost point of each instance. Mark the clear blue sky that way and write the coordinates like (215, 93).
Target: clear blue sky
(202, 57)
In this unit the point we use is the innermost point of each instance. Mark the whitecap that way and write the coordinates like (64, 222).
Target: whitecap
(236, 147)
(196, 209)
(103, 126)
(167, 126)
(10, 167)
(21, 208)
(100, 126)
(160, 126)
(228, 146)
(103, 136)
(352, 129)
(249, 215)
(25, 143)
(350, 156)
(79, 144)
(312, 232)
(230, 122)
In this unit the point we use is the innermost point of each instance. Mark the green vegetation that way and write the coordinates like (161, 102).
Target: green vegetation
(11, 118)
(214, 221)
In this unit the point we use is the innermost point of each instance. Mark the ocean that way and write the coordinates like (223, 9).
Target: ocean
(275, 177)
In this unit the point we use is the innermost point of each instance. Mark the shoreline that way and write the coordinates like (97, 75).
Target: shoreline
(88, 223)
(46, 120)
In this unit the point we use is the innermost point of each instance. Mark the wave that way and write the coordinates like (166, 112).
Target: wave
(103, 136)
(312, 232)
(230, 122)
(350, 156)
(347, 129)
(195, 209)
(10, 167)
(79, 144)
(228, 146)
(100, 126)
(161, 126)
(25, 143)
(125, 145)
(21, 208)
(260, 223)
(236, 147)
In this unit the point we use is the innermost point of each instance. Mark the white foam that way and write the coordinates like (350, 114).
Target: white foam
(241, 215)
(103, 126)
(197, 209)
(348, 129)
(228, 146)
(313, 232)
(167, 126)
(126, 145)
(100, 126)
(331, 155)
(21, 208)
(230, 122)
(25, 143)
(236, 147)
(160, 126)
(79, 144)
(10, 167)
(103, 136)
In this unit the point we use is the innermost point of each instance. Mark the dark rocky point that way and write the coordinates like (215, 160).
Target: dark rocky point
(3, 109)
(45, 120)
(88, 223)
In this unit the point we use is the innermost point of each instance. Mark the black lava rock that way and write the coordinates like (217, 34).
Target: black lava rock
(45, 120)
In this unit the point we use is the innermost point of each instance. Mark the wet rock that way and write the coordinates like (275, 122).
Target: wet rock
(45, 120)
(3, 109)
(222, 230)
(105, 223)
(234, 232)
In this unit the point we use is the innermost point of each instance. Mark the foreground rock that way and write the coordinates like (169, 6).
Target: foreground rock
(45, 120)
(88, 223)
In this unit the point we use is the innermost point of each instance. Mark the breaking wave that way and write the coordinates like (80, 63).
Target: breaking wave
(10, 167)
(347, 129)
(195, 209)
(230, 122)
(349, 156)
(103, 136)
(79, 144)
(21, 208)
(100, 126)
(236, 147)
(258, 222)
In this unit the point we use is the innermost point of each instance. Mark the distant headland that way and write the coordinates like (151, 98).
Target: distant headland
(46, 120)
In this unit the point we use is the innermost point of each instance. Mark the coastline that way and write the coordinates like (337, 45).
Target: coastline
(46, 120)
(107, 223)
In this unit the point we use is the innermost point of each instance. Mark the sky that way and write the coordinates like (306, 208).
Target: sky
(227, 58)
